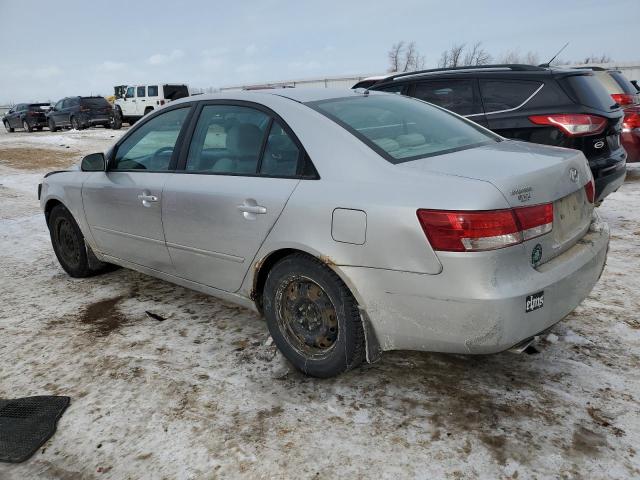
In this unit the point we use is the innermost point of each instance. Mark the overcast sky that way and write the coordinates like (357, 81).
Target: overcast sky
(53, 49)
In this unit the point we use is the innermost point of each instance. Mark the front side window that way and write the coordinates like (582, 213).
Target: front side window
(152, 90)
(130, 92)
(227, 139)
(59, 105)
(140, 92)
(498, 95)
(401, 128)
(454, 95)
(150, 147)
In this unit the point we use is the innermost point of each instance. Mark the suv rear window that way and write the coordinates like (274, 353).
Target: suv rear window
(500, 95)
(587, 90)
(174, 92)
(95, 102)
(401, 128)
(624, 83)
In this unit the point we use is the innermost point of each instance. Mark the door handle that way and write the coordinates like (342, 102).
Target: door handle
(147, 199)
(250, 209)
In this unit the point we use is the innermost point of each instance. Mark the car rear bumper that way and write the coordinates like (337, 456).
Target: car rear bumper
(608, 172)
(477, 305)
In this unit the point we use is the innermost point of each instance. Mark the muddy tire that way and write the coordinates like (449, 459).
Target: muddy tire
(116, 124)
(26, 127)
(52, 125)
(75, 124)
(313, 318)
(9, 129)
(75, 257)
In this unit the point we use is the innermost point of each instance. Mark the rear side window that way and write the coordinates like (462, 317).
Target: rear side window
(140, 92)
(393, 88)
(624, 83)
(454, 95)
(95, 102)
(152, 90)
(227, 139)
(587, 90)
(281, 154)
(499, 95)
(174, 92)
(402, 129)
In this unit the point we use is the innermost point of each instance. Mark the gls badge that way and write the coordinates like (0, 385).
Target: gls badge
(534, 302)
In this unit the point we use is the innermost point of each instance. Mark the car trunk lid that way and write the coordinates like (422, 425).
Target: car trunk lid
(527, 174)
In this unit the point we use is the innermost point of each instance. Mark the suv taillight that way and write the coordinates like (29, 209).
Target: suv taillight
(572, 124)
(590, 190)
(631, 120)
(473, 231)
(624, 99)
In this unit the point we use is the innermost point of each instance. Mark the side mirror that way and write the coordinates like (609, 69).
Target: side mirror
(93, 163)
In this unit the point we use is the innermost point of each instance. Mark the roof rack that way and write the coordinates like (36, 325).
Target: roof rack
(516, 67)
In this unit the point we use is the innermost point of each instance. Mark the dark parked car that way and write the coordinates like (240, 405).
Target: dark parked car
(28, 116)
(560, 107)
(80, 112)
(625, 94)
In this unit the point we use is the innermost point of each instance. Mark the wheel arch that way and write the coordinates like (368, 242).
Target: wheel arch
(263, 266)
(51, 203)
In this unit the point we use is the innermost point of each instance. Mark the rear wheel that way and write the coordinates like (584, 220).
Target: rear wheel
(6, 125)
(148, 110)
(313, 317)
(75, 124)
(26, 126)
(52, 125)
(75, 257)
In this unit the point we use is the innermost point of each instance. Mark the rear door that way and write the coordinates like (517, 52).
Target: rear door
(123, 204)
(458, 95)
(239, 171)
(141, 99)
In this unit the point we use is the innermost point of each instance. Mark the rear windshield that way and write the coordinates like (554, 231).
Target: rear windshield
(589, 91)
(401, 128)
(625, 85)
(94, 102)
(174, 92)
(39, 106)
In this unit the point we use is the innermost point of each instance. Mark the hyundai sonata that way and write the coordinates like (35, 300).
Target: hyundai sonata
(355, 222)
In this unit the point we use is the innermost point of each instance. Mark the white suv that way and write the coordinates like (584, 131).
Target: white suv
(134, 101)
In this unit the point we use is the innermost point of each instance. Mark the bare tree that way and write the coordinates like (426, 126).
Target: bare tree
(395, 56)
(452, 57)
(476, 55)
(604, 58)
(532, 58)
(405, 58)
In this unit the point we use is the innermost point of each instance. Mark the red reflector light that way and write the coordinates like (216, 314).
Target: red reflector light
(463, 231)
(572, 124)
(631, 119)
(590, 190)
(624, 99)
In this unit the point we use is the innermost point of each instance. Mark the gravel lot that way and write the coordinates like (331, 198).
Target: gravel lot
(202, 394)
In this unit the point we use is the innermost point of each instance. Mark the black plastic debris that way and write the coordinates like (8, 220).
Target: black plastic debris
(26, 423)
(155, 316)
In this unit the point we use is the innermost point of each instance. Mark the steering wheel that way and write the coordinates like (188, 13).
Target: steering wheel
(157, 161)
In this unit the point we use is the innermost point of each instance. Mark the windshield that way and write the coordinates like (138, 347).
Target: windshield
(401, 128)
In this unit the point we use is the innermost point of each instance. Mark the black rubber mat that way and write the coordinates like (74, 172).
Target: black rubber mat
(26, 423)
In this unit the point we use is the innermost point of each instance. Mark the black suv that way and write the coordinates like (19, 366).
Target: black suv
(80, 112)
(564, 108)
(28, 116)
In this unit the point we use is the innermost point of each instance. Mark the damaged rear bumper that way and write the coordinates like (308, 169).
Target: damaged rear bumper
(477, 304)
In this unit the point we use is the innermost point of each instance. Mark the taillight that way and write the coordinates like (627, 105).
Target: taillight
(572, 124)
(473, 231)
(623, 99)
(590, 190)
(631, 120)
(161, 102)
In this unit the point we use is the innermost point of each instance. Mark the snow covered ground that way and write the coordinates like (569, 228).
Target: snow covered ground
(202, 394)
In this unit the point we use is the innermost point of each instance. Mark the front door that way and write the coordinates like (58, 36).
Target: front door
(141, 99)
(123, 205)
(240, 171)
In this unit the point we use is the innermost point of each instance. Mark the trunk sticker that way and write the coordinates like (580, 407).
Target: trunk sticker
(536, 254)
(534, 302)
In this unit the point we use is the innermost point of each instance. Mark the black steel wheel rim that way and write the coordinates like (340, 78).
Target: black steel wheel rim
(68, 242)
(307, 317)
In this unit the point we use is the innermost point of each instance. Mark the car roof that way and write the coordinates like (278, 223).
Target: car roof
(302, 95)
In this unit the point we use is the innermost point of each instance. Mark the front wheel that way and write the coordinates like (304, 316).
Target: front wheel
(75, 124)
(313, 318)
(26, 126)
(74, 256)
(9, 129)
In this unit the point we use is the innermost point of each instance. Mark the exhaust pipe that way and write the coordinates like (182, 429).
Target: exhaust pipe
(527, 346)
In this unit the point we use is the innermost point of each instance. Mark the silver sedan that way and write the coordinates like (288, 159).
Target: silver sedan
(355, 222)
